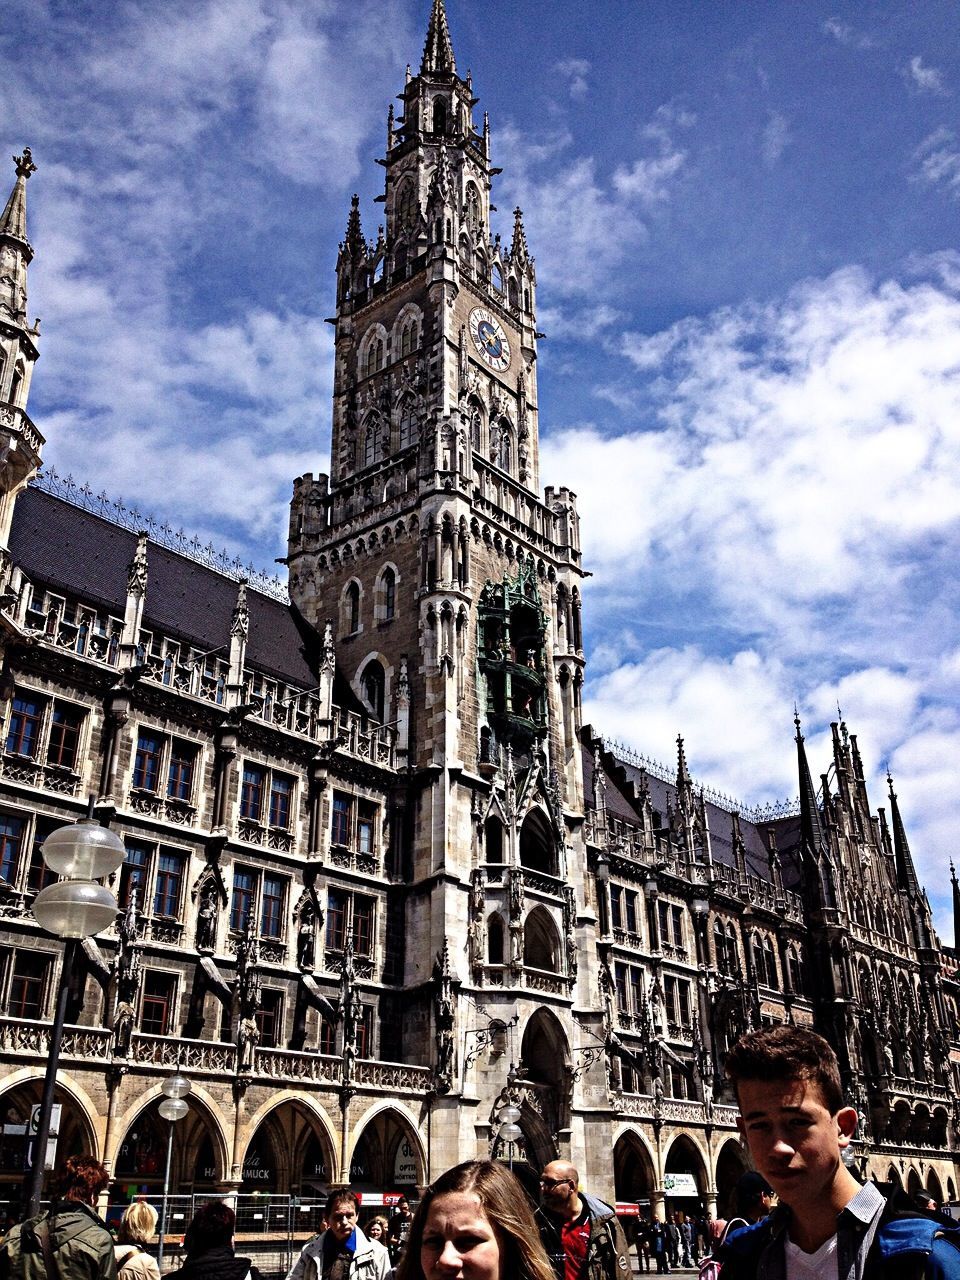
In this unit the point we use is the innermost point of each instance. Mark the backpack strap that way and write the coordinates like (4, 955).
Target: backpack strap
(42, 1230)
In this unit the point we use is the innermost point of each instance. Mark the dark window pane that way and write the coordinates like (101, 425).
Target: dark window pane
(156, 1015)
(364, 1027)
(180, 774)
(166, 900)
(271, 907)
(28, 984)
(244, 887)
(39, 874)
(146, 765)
(366, 827)
(341, 819)
(363, 926)
(11, 844)
(268, 1019)
(134, 873)
(281, 790)
(616, 906)
(251, 794)
(327, 1035)
(64, 735)
(631, 903)
(23, 735)
(620, 979)
(336, 919)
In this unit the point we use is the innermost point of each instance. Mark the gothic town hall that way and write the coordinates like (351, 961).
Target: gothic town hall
(380, 879)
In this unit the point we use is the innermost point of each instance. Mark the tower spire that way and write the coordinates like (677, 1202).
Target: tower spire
(438, 51)
(956, 908)
(13, 222)
(811, 830)
(906, 874)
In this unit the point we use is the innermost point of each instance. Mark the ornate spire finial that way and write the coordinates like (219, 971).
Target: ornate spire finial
(438, 51)
(518, 249)
(354, 238)
(24, 163)
(240, 622)
(137, 569)
(13, 221)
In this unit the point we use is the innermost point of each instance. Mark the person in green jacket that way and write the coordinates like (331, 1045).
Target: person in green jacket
(69, 1241)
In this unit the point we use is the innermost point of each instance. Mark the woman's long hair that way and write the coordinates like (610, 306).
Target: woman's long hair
(505, 1204)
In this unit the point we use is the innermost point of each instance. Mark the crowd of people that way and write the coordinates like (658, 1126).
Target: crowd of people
(800, 1215)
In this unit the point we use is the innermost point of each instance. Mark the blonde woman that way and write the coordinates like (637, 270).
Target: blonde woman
(137, 1226)
(475, 1223)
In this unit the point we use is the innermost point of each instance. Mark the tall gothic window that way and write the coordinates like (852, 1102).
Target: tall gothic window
(408, 424)
(373, 361)
(372, 683)
(439, 116)
(409, 338)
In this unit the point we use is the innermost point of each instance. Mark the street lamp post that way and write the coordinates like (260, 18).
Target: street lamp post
(72, 908)
(172, 1108)
(509, 1130)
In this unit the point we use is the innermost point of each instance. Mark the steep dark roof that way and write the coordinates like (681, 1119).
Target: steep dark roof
(86, 557)
(787, 829)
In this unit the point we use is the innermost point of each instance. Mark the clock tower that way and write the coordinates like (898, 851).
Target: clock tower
(451, 584)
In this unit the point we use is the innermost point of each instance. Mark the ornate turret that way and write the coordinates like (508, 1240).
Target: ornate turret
(20, 442)
(438, 50)
(813, 842)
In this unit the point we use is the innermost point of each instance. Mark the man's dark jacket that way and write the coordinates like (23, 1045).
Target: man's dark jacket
(908, 1245)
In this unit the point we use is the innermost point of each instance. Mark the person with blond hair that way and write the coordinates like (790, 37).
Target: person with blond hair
(474, 1222)
(137, 1226)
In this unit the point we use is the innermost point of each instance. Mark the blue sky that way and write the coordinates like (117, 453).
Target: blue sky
(745, 221)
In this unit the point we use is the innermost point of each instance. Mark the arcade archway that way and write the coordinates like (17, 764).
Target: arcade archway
(731, 1164)
(386, 1155)
(685, 1177)
(16, 1105)
(633, 1173)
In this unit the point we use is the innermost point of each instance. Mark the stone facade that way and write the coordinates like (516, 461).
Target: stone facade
(380, 879)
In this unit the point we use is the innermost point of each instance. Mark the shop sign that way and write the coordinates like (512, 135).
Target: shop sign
(405, 1163)
(680, 1184)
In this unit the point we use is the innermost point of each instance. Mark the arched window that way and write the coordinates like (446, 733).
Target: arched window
(537, 846)
(409, 338)
(769, 963)
(371, 442)
(540, 942)
(720, 946)
(513, 294)
(497, 278)
(495, 939)
(408, 425)
(795, 971)
(493, 839)
(439, 116)
(506, 446)
(373, 682)
(388, 587)
(16, 383)
(353, 607)
(374, 358)
(476, 429)
(405, 207)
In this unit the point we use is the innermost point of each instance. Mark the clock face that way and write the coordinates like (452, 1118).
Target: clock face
(490, 339)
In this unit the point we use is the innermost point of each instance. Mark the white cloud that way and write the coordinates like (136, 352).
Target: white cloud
(776, 136)
(938, 161)
(575, 72)
(925, 79)
(844, 34)
(586, 224)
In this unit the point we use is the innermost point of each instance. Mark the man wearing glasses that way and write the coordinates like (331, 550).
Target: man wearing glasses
(580, 1233)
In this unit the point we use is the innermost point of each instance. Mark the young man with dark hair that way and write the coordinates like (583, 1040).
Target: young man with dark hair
(209, 1245)
(342, 1252)
(787, 1082)
(69, 1241)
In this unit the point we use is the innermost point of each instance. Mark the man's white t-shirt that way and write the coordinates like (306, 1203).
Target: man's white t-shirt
(821, 1265)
